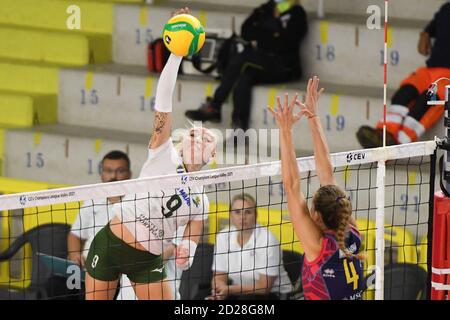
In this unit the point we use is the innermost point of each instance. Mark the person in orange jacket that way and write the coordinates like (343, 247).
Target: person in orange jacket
(409, 116)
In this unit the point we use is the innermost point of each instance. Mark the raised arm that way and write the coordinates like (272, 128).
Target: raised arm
(162, 123)
(307, 231)
(324, 168)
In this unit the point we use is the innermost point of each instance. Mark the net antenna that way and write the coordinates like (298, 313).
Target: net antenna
(381, 178)
(386, 27)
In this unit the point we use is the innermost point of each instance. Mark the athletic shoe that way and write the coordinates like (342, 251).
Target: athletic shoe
(206, 112)
(369, 137)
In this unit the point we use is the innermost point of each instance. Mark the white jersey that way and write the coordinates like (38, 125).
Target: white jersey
(154, 217)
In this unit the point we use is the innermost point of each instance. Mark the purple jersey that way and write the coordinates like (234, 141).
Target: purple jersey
(332, 276)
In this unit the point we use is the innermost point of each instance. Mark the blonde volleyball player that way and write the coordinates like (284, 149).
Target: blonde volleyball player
(145, 224)
(329, 236)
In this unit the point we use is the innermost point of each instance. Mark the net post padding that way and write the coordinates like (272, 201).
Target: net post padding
(441, 248)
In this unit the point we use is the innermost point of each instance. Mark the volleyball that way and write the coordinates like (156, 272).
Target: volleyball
(184, 35)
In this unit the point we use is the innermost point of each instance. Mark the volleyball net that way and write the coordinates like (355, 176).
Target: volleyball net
(391, 190)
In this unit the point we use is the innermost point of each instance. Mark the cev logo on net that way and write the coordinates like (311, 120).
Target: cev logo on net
(23, 200)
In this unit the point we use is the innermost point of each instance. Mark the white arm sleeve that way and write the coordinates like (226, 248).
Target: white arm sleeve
(166, 84)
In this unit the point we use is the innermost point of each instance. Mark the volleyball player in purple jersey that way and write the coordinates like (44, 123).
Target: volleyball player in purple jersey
(332, 267)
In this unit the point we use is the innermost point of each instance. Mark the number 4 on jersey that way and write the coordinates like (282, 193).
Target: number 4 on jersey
(351, 275)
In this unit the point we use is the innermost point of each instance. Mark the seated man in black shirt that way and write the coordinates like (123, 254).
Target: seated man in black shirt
(409, 116)
(275, 31)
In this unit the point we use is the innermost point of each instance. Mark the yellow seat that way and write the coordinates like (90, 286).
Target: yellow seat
(271, 218)
(122, 1)
(16, 221)
(26, 110)
(27, 78)
(11, 185)
(398, 239)
(44, 47)
(2, 151)
(402, 243)
(218, 212)
(284, 232)
(96, 18)
(16, 110)
(423, 252)
(19, 83)
(96, 21)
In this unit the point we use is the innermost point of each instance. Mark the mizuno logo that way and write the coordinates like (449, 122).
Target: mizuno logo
(185, 197)
(160, 270)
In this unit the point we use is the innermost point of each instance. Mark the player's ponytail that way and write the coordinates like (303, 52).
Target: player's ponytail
(335, 210)
(344, 211)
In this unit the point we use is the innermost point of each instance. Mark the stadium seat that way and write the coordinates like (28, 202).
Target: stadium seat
(272, 218)
(2, 151)
(96, 21)
(16, 110)
(423, 252)
(293, 263)
(45, 47)
(399, 243)
(403, 282)
(96, 17)
(196, 282)
(123, 1)
(284, 232)
(49, 239)
(332, 45)
(11, 185)
(25, 110)
(101, 98)
(403, 9)
(24, 78)
(54, 149)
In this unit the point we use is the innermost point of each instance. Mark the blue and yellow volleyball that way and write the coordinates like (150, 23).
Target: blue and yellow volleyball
(184, 35)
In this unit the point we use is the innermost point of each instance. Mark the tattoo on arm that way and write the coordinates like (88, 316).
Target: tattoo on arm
(158, 125)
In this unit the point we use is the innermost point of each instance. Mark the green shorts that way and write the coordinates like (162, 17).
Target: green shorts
(109, 257)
